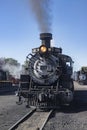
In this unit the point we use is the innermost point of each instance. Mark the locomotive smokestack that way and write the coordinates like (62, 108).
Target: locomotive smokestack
(46, 38)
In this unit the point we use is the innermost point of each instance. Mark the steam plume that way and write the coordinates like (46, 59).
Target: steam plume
(42, 12)
(14, 70)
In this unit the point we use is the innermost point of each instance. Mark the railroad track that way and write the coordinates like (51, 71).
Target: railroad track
(34, 120)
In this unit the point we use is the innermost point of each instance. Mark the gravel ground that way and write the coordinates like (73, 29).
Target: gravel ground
(66, 118)
(35, 122)
(10, 112)
(73, 117)
(68, 121)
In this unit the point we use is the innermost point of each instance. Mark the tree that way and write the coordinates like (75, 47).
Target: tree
(11, 61)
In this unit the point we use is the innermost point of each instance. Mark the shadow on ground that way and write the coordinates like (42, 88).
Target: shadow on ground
(79, 103)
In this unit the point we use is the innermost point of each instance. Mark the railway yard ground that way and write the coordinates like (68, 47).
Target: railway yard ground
(73, 117)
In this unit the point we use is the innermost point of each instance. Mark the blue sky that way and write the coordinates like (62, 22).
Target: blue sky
(19, 31)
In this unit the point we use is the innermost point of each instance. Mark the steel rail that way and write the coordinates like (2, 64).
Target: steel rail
(37, 121)
(27, 118)
(44, 123)
(22, 119)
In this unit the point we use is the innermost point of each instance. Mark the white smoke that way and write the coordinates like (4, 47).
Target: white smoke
(15, 71)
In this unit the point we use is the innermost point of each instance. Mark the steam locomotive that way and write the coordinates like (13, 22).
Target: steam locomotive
(49, 80)
(81, 76)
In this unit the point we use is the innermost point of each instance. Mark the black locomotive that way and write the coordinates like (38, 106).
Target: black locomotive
(48, 82)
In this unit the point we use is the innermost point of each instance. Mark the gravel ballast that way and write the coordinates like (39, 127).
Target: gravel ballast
(65, 118)
(68, 120)
(73, 117)
(10, 112)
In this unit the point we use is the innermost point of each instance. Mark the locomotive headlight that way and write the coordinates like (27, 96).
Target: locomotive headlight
(43, 49)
